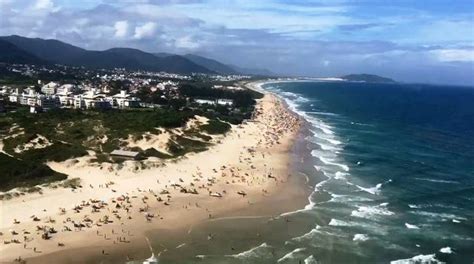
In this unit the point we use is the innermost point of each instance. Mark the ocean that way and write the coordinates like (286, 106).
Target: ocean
(391, 169)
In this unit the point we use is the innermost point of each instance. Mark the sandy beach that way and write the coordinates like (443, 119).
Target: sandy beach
(112, 211)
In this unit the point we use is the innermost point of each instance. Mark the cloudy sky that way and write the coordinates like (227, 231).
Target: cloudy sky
(409, 40)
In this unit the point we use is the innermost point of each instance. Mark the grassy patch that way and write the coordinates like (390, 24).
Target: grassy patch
(57, 152)
(182, 145)
(23, 173)
(152, 152)
(215, 127)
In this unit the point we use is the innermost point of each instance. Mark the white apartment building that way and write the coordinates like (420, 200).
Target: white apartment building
(124, 100)
(91, 99)
(50, 88)
(67, 88)
(28, 97)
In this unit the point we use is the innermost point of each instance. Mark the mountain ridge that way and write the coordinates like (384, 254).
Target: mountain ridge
(44, 51)
(59, 52)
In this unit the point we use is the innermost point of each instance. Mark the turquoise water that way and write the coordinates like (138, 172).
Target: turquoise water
(392, 169)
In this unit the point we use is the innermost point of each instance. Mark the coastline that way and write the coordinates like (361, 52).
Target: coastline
(270, 156)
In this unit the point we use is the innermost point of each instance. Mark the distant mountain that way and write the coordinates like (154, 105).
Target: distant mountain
(62, 53)
(163, 54)
(211, 64)
(171, 63)
(253, 71)
(18, 49)
(370, 78)
(10, 53)
(50, 49)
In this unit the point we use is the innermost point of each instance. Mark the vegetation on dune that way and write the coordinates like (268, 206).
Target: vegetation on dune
(70, 133)
(152, 152)
(57, 152)
(215, 127)
(181, 145)
(23, 173)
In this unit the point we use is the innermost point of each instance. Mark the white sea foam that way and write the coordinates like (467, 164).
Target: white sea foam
(322, 113)
(325, 130)
(339, 175)
(335, 222)
(456, 221)
(374, 190)
(310, 260)
(410, 226)
(327, 147)
(441, 216)
(291, 255)
(331, 162)
(255, 252)
(437, 180)
(360, 237)
(295, 97)
(360, 124)
(371, 211)
(308, 236)
(446, 250)
(342, 198)
(420, 259)
(332, 140)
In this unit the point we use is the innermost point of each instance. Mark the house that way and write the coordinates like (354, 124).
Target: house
(50, 88)
(225, 101)
(67, 88)
(78, 102)
(205, 101)
(4, 90)
(91, 97)
(124, 100)
(125, 154)
(66, 98)
(28, 97)
(15, 96)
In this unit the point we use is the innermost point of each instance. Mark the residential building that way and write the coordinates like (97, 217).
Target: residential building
(67, 88)
(50, 88)
(47, 102)
(226, 102)
(28, 97)
(125, 100)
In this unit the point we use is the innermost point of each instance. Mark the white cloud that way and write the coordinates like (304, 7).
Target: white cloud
(121, 29)
(186, 42)
(146, 30)
(447, 55)
(44, 4)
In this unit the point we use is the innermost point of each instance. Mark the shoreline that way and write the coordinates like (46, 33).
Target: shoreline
(183, 210)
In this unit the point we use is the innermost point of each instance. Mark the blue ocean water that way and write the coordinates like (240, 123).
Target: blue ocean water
(394, 172)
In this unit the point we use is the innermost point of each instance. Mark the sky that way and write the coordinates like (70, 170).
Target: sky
(408, 40)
